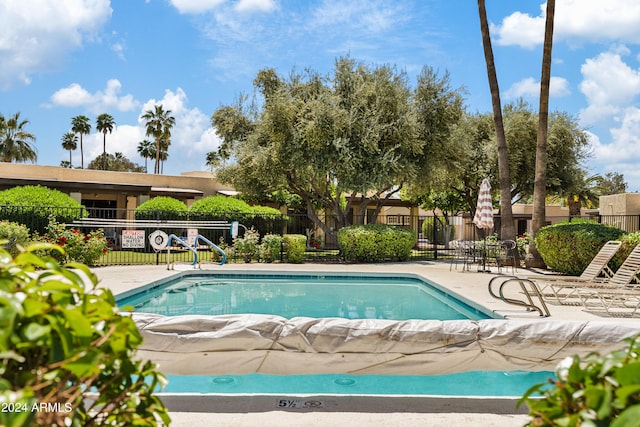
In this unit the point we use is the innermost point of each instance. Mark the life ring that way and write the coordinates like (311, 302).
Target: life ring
(158, 240)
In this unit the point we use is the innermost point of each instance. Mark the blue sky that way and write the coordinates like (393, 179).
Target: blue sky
(121, 57)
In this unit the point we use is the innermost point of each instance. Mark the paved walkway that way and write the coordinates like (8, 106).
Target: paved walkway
(470, 285)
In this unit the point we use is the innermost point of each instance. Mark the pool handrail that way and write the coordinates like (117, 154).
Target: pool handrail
(212, 245)
(183, 243)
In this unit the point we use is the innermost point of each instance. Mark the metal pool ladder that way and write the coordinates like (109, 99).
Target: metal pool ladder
(528, 288)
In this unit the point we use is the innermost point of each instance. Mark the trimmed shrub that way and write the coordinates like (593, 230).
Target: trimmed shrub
(376, 243)
(63, 336)
(15, 234)
(221, 208)
(629, 241)
(568, 247)
(270, 247)
(294, 247)
(162, 207)
(32, 205)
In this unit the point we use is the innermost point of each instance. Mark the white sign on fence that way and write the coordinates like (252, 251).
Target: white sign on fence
(133, 239)
(192, 233)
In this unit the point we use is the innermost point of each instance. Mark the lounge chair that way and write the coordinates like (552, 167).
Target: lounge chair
(626, 302)
(625, 279)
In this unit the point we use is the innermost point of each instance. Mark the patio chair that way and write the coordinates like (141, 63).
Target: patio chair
(625, 279)
(506, 255)
(597, 270)
(615, 302)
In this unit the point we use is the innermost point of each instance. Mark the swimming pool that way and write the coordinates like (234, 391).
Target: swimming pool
(398, 297)
(366, 297)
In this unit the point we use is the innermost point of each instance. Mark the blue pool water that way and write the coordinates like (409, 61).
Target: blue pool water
(397, 297)
(476, 383)
(352, 297)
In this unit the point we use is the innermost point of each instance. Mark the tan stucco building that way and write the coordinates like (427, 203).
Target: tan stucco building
(112, 190)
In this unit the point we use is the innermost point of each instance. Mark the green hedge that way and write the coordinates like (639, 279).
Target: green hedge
(294, 247)
(629, 241)
(568, 247)
(376, 243)
(162, 208)
(32, 205)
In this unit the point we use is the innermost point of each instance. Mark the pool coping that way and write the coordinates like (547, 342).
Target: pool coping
(378, 403)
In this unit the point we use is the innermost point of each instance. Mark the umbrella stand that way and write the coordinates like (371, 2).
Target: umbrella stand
(483, 218)
(484, 254)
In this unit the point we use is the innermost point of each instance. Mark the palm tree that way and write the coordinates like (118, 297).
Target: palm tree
(70, 142)
(82, 126)
(15, 142)
(104, 124)
(146, 151)
(540, 182)
(507, 229)
(159, 124)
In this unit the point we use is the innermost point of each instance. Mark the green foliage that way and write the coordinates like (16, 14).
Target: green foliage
(270, 247)
(32, 205)
(78, 247)
(568, 247)
(247, 246)
(162, 207)
(63, 337)
(596, 391)
(440, 224)
(629, 241)
(315, 134)
(15, 235)
(294, 247)
(376, 243)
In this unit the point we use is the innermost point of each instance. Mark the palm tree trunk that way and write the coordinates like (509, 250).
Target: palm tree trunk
(507, 229)
(540, 184)
(81, 153)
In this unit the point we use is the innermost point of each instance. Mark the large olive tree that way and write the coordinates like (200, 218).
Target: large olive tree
(359, 134)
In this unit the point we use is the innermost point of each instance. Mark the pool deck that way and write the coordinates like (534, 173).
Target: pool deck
(383, 411)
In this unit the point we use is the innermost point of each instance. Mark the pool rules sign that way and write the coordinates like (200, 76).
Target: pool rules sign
(133, 239)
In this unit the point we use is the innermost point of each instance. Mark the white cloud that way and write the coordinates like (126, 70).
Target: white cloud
(37, 36)
(530, 88)
(576, 21)
(99, 102)
(196, 6)
(609, 85)
(255, 6)
(358, 15)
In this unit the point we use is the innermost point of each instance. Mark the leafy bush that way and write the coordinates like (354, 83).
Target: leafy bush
(15, 234)
(78, 247)
(61, 337)
(32, 205)
(162, 207)
(376, 243)
(221, 208)
(441, 235)
(629, 241)
(247, 246)
(294, 247)
(596, 391)
(568, 247)
(270, 247)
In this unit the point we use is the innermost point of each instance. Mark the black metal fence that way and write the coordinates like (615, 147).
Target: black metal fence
(433, 235)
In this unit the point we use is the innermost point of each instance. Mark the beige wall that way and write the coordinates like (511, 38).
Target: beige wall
(77, 182)
(620, 204)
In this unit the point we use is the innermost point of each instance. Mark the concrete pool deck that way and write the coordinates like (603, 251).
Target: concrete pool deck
(379, 411)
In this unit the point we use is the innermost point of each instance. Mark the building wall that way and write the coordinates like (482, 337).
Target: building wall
(93, 184)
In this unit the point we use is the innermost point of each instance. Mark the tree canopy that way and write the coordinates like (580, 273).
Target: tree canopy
(361, 133)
